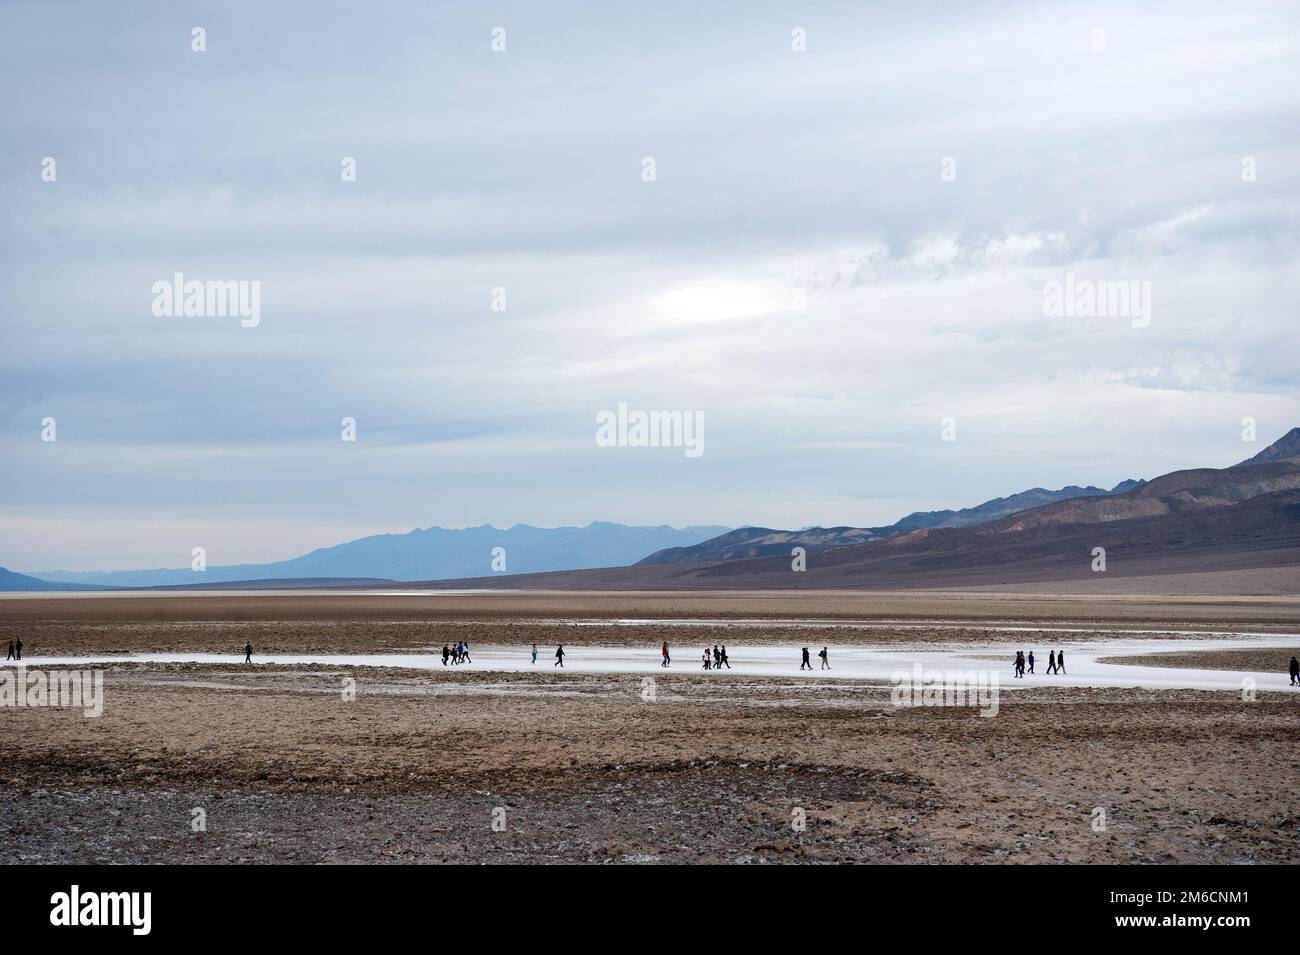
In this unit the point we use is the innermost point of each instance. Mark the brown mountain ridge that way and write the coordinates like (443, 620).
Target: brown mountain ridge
(1237, 519)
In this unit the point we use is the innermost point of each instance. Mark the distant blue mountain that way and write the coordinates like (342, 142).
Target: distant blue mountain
(11, 582)
(434, 553)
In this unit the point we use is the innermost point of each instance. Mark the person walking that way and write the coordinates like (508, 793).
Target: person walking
(1060, 662)
(248, 652)
(725, 661)
(559, 657)
(1031, 661)
(717, 658)
(1018, 664)
(19, 648)
(805, 665)
(534, 654)
(465, 652)
(446, 654)
(1295, 672)
(708, 659)
(1051, 661)
(664, 650)
(11, 651)
(826, 663)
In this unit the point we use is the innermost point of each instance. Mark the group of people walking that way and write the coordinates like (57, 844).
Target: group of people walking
(456, 654)
(715, 658)
(460, 654)
(806, 664)
(712, 661)
(559, 655)
(1023, 663)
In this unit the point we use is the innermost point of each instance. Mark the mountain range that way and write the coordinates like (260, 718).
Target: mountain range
(423, 554)
(1202, 519)
(13, 581)
(439, 553)
(766, 542)
(1242, 520)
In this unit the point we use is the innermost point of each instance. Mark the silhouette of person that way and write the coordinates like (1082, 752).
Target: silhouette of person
(1031, 661)
(11, 651)
(724, 657)
(708, 660)
(19, 648)
(826, 663)
(559, 656)
(446, 654)
(805, 665)
(665, 653)
(534, 653)
(1051, 661)
(1295, 671)
(1060, 662)
(248, 653)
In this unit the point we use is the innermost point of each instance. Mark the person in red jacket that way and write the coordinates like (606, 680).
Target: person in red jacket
(665, 650)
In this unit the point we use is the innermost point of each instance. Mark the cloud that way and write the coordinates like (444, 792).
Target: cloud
(799, 272)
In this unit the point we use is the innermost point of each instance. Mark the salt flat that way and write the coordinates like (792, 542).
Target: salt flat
(1083, 666)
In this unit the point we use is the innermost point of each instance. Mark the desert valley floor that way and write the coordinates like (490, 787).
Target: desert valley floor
(503, 760)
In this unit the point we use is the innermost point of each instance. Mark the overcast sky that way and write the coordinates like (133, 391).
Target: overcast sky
(1100, 140)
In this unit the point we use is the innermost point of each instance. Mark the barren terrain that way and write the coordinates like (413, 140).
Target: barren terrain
(583, 768)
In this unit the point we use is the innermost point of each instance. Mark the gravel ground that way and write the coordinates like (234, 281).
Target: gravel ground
(286, 770)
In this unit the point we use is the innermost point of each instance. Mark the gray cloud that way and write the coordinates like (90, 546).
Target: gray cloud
(776, 171)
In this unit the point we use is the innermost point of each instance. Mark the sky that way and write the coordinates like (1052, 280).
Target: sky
(839, 266)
